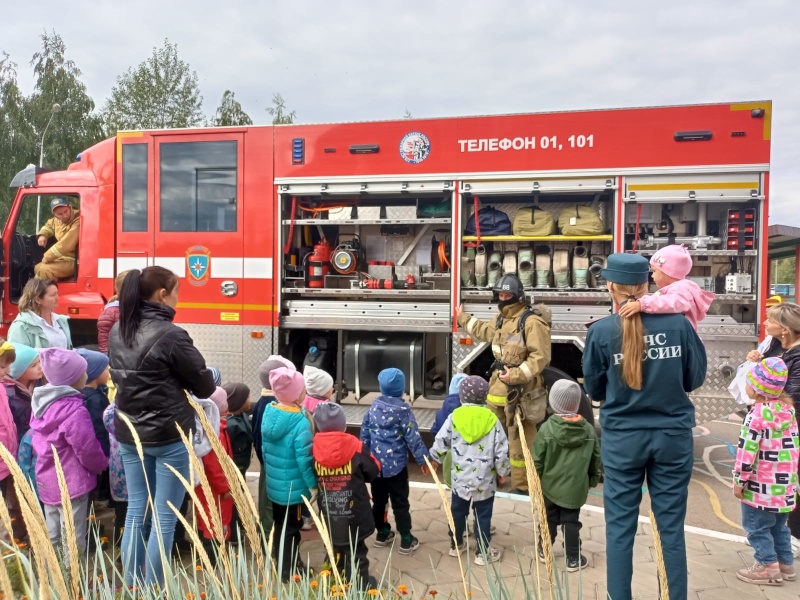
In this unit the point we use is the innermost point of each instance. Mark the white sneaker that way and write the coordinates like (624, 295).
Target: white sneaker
(458, 550)
(308, 524)
(796, 547)
(492, 555)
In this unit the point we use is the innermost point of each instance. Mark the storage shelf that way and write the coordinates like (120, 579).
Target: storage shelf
(707, 252)
(344, 292)
(438, 221)
(575, 295)
(539, 238)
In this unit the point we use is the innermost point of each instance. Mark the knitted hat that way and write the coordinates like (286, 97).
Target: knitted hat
(62, 367)
(392, 382)
(216, 375)
(269, 365)
(220, 398)
(287, 384)
(329, 416)
(473, 390)
(455, 382)
(25, 357)
(673, 260)
(565, 397)
(318, 382)
(768, 378)
(238, 395)
(97, 361)
(626, 269)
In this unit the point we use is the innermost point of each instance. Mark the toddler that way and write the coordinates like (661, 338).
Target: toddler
(94, 397)
(390, 430)
(480, 457)
(287, 437)
(765, 474)
(61, 422)
(8, 431)
(319, 387)
(566, 454)
(241, 436)
(116, 475)
(675, 294)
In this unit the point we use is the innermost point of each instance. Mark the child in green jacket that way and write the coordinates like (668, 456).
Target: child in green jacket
(566, 453)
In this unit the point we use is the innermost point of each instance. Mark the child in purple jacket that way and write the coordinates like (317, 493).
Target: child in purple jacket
(61, 421)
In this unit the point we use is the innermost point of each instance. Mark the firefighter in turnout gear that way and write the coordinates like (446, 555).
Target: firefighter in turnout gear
(520, 339)
(58, 261)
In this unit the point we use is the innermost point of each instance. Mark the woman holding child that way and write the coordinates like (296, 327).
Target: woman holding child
(153, 364)
(642, 368)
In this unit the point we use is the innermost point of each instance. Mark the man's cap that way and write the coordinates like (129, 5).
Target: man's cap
(56, 202)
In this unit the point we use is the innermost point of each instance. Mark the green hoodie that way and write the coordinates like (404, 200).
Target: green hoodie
(26, 330)
(567, 458)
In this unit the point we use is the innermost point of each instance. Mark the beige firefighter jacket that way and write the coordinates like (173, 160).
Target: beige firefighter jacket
(525, 355)
(66, 234)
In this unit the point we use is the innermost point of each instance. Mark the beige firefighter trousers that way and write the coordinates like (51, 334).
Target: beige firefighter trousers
(60, 269)
(532, 408)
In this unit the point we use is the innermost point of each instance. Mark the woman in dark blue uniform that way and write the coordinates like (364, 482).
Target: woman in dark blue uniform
(647, 419)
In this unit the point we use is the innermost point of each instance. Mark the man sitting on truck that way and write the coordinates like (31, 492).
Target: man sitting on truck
(520, 339)
(58, 261)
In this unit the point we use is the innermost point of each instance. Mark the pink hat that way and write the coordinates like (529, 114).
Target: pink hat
(673, 260)
(220, 398)
(62, 367)
(287, 384)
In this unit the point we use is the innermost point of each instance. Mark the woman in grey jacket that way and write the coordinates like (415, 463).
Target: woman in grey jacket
(37, 325)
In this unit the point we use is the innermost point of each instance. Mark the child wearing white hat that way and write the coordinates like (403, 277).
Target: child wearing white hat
(319, 387)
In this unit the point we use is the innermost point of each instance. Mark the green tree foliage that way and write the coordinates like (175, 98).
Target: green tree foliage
(230, 112)
(278, 111)
(16, 135)
(162, 92)
(785, 270)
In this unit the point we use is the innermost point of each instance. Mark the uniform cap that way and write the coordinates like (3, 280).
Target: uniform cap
(626, 269)
(56, 202)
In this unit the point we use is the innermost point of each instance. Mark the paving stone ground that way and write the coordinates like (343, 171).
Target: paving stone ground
(712, 561)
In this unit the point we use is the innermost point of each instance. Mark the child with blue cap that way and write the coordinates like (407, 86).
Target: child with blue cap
(390, 430)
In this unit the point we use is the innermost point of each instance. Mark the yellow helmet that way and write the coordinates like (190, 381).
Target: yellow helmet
(774, 301)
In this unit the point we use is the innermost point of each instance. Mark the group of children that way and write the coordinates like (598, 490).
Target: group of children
(307, 455)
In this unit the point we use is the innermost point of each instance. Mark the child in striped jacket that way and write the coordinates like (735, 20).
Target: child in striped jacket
(765, 474)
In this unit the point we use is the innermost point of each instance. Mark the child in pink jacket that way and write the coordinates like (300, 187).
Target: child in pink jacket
(319, 388)
(8, 431)
(765, 474)
(675, 294)
(61, 421)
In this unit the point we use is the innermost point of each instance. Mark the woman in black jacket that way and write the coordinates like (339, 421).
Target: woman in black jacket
(784, 322)
(153, 363)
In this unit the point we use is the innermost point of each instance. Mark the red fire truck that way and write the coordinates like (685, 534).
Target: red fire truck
(350, 246)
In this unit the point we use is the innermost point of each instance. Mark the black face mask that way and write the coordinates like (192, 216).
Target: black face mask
(503, 303)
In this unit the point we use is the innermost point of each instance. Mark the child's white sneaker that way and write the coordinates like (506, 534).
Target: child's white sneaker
(493, 554)
(308, 524)
(796, 547)
(457, 550)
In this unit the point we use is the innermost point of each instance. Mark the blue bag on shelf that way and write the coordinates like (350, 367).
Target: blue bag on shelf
(492, 222)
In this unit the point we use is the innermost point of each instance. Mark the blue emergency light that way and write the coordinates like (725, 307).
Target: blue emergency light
(298, 151)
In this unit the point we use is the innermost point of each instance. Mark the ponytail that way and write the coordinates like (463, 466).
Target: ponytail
(633, 333)
(130, 314)
(137, 287)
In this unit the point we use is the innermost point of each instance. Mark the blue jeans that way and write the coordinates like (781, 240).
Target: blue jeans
(150, 482)
(483, 519)
(768, 534)
(664, 458)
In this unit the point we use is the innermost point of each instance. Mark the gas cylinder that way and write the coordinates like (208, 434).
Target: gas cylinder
(318, 264)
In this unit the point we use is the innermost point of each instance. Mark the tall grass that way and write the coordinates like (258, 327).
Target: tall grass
(245, 571)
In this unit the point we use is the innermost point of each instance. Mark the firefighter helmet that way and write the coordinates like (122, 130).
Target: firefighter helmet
(512, 285)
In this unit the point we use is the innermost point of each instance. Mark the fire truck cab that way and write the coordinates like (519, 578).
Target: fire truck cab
(351, 246)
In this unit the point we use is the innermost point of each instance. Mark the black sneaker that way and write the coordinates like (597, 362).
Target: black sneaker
(573, 564)
(408, 544)
(383, 539)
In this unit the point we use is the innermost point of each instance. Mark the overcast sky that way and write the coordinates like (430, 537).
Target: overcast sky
(353, 60)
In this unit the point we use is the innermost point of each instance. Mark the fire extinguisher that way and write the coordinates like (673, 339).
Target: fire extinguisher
(318, 264)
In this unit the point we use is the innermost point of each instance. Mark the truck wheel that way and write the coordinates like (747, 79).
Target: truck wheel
(551, 375)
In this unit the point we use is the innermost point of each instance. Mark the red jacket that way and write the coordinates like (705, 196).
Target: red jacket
(219, 487)
(105, 322)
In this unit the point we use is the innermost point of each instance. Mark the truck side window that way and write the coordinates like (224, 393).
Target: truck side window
(134, 187)
(198, 186)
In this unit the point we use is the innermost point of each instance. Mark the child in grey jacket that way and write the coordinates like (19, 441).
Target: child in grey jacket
(480, 456)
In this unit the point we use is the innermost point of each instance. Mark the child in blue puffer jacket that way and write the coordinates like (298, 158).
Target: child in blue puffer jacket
(286, 439)
(390, 430)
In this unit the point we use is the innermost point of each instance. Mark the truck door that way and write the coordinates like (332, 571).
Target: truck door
(199, 224)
